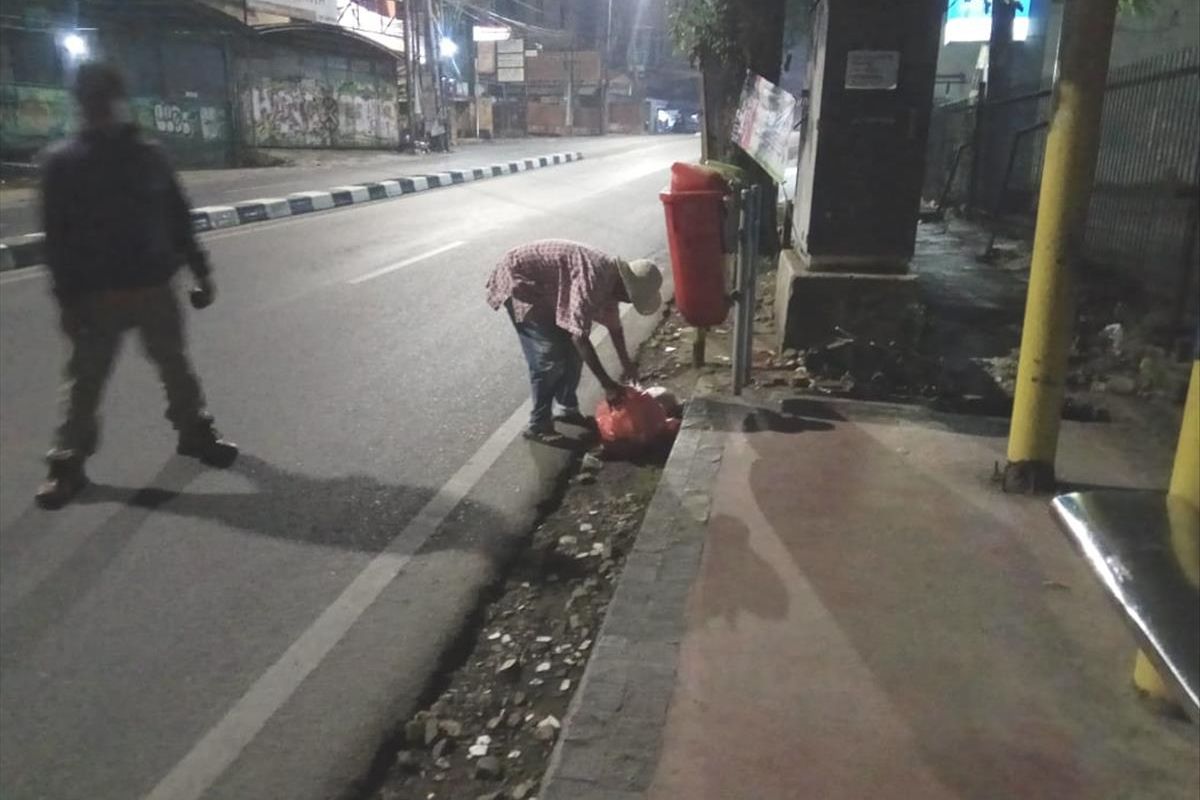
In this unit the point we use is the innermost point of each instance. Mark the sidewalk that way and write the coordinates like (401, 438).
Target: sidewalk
(831, 600)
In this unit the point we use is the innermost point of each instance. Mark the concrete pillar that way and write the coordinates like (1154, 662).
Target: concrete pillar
(870, 76)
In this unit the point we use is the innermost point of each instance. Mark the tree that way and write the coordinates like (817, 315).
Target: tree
(725, 38)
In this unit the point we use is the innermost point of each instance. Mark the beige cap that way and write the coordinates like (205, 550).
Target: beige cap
(643, 282)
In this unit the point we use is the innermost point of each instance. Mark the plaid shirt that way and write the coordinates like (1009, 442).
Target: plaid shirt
(557, 282)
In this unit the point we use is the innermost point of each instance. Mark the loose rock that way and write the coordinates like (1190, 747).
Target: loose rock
(547, 729)
(439, 749)
(406, 761)
(522, 790)
(488, 768)
(480, 748)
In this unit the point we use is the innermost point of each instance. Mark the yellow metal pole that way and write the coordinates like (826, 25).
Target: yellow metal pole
(1183, 500)
(1070, 164)
(1185, 474)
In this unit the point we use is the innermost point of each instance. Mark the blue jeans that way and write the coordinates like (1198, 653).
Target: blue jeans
(554, 368)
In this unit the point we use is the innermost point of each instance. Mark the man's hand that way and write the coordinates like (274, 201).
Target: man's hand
(203, 294)
(614, 394)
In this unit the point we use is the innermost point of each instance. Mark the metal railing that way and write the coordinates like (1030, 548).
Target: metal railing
(1146, 197)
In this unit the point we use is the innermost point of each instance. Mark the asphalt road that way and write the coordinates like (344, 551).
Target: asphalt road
(19, 213)
(182, 633)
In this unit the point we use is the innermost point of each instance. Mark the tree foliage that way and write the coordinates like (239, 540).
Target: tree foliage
(713, 32)
(727, 31)
(703, 30)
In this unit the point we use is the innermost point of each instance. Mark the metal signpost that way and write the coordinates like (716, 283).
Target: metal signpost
(744, 289)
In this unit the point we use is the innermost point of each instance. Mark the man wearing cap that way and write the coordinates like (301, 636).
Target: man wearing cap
(553, 291)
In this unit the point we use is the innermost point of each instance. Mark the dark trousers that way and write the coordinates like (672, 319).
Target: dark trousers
(554, 368)
(95, 325)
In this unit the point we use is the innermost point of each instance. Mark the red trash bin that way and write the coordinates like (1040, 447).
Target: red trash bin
(694, 226)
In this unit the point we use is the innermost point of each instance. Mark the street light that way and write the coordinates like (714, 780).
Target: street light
(447, 48)
(75, 45)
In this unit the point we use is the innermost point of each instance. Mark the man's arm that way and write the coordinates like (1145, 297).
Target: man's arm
(612, 390)
(183, 232)
(55, 219)
(617, 333)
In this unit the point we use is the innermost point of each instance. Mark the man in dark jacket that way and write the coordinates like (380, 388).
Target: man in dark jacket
(117, 228)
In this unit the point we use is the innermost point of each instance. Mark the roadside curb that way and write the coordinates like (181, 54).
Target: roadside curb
(611, 737)
(22, 251)
(29, 250)
(263, 209)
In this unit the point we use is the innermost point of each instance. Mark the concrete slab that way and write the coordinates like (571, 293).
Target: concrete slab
(810, 304)
(310, 201)
(346, 195)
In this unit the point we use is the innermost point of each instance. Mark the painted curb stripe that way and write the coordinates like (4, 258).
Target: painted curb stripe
(310, 201)
(28, 250)
(216, 217)
(417, 183)
(264, 209)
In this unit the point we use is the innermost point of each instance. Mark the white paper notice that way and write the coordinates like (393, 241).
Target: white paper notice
(872, 69)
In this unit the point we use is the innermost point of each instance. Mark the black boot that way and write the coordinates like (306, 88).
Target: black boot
(204, 442)
(65, 480)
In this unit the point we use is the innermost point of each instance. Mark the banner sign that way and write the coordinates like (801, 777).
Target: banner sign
(763, 124)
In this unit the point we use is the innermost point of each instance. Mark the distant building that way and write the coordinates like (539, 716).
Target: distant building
(203, 82)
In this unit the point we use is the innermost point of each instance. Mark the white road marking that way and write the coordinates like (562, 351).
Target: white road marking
(223, 744)
(406, 262)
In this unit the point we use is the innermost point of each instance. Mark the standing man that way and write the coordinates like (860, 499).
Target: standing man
(554, 290)
(117, 227)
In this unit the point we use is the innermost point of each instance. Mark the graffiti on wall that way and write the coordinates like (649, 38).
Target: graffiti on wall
(212, 123)
(207, 122)
(312, 113)
(33, 116)
(172, 120)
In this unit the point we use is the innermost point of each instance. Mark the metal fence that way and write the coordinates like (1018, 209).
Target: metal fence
(1146, 197)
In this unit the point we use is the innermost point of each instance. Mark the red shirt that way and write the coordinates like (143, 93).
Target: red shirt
(557, 282)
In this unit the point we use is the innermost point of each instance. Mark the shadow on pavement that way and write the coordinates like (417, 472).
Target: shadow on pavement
(735, 580)
(354, 512)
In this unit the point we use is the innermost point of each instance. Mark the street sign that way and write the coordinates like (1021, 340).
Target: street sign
(483, 33)
(311, 10)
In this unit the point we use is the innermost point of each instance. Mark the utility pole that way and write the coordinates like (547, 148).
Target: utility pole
(1071, 148)
(604, 72)
(570, 115)
(433, 55)
(411, 92)
(993, 125)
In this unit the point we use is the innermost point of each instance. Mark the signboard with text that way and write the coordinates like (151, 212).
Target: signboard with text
(510, 61)
(310, 10)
